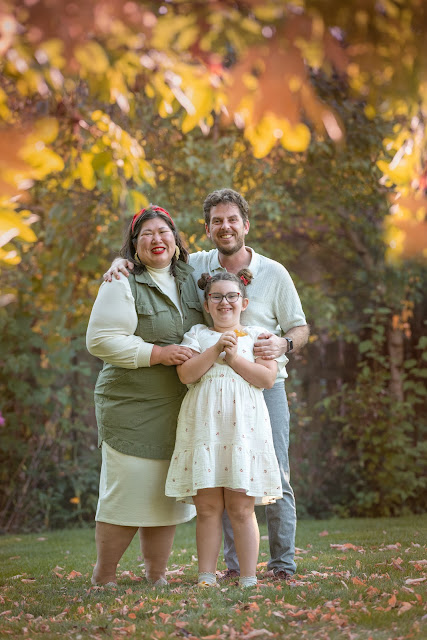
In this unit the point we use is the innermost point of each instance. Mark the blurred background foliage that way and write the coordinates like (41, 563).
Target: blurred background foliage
(315, 112)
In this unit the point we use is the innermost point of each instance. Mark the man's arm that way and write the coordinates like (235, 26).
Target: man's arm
(270, 346)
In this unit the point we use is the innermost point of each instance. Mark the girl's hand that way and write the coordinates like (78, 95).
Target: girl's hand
(230, 347)
(171, 355)
(226, 341)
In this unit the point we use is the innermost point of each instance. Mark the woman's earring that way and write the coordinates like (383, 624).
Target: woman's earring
(177, 253)
(136, 258)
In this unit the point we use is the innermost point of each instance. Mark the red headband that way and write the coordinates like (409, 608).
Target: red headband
(154, 207)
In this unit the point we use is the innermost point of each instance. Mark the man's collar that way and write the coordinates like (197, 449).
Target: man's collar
(215, 264)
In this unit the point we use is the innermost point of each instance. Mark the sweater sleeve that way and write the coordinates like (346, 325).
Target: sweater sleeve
(110, 333)
(287, 304)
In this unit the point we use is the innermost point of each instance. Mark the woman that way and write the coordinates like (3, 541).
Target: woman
(136, 326)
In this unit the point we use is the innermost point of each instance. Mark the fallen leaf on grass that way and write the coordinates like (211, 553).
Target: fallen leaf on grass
(415, 580)
(180, 624)
(347, 546)
(404, 606)
(358, 581)
(74, 574)
(419, 565)
(131, 576)
(389, 547)
(392, 601)
(130, 630)
(165, 617)
(396, 562)
(323, 533)
(372, 591)
(279, 614)
(28, 580)
(257, 632)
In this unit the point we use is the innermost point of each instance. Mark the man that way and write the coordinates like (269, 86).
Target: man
(274, 305)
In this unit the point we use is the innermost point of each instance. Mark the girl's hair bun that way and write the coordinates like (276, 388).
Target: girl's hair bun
(203, 281)
(245, 275)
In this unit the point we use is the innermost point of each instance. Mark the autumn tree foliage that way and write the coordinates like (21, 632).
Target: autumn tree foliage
(242, 62)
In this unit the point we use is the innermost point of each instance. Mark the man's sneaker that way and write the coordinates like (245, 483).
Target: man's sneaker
(283, 575)
(228, 575)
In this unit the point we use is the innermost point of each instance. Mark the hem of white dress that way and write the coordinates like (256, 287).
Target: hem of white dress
(259, 500)
(145, 524)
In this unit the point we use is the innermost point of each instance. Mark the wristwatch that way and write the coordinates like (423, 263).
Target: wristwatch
(290, 344)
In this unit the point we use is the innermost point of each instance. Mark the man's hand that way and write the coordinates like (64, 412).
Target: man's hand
(120, 265)
(269, 346)
(173, 354)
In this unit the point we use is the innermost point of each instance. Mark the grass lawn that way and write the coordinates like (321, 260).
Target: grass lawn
(356, 579)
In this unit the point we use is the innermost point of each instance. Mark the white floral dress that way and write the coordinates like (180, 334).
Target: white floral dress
(224, 436)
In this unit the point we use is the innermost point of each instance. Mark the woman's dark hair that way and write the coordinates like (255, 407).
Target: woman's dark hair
(242, 278)
(131, 236)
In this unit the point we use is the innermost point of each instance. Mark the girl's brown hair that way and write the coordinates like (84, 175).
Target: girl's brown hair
(242, 278)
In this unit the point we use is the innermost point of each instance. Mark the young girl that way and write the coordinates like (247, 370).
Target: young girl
(224, 456)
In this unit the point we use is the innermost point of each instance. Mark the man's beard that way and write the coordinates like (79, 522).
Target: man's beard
(230, 251)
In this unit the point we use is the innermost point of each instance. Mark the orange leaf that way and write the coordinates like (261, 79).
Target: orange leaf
(404, 606)
(392, 601)
(358, 581)
(74, 574)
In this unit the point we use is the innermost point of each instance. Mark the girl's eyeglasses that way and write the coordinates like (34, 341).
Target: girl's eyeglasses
(231, 297)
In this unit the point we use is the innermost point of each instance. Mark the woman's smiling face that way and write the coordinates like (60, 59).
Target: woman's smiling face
(225, 314)
(155, 244)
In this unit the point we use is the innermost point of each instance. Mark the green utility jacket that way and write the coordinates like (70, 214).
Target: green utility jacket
(137, 409)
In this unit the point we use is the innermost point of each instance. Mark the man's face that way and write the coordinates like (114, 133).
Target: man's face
(227, 229)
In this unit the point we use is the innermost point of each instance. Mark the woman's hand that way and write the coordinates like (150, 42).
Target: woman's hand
(120, 265)
(171, 355)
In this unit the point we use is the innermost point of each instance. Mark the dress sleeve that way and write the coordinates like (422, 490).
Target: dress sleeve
(191, 338)
(282, 360)
(110, 333)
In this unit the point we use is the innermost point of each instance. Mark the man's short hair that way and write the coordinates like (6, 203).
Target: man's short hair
(225, 196)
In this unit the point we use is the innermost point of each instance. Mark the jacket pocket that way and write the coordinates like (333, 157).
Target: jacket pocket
(153, 321)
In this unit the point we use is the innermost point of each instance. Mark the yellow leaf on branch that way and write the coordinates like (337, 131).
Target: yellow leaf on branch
(13, 224)
(296, 138)
(86, 172)
(9, 257)
(92, 58)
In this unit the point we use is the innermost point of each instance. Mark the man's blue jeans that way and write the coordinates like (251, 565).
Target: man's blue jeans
(281, 516)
